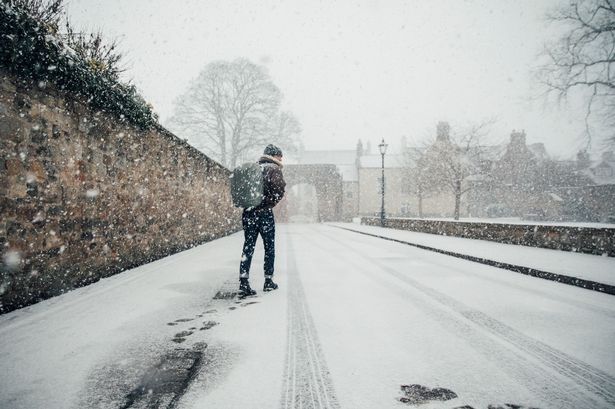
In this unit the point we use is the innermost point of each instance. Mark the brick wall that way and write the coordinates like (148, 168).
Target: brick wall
(568, 238)
(84, 195)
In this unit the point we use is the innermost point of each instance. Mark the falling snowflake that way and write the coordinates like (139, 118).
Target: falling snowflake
(12, 259)
(92, 193)
(38, 218)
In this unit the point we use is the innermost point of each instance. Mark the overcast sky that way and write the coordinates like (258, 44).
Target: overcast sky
(353, 69)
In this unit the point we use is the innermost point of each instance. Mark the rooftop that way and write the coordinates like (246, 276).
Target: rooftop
(342, 157)
(390, 161)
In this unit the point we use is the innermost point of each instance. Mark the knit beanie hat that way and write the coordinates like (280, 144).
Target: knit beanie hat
(272, 150)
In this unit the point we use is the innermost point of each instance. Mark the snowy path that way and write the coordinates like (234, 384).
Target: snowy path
(307, 382)
(407, 316)
(355, 318)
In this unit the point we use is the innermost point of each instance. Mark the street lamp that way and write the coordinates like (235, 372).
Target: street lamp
(383, 150)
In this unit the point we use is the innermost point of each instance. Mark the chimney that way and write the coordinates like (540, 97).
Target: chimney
(443, 130)
(359, 148)
(583, 159)
(517, 139)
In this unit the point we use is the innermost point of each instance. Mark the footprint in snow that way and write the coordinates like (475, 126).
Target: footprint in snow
(208, 325)
(502, 406)
(179, 320)
(181, 336)
(416, 394)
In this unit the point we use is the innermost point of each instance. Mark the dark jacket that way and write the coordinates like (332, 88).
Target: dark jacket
(274, 184)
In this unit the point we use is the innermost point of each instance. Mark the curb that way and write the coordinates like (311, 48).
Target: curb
(560, 278)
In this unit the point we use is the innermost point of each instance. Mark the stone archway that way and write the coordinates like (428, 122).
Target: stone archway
(327, 181)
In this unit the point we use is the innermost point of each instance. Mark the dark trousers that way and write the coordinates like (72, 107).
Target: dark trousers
(257, 222)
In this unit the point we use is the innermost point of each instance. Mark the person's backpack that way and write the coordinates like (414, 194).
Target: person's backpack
(247, 185)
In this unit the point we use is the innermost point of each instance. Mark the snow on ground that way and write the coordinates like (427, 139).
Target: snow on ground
(377, 315)
(389, 314)
(355, 318)
(245, 356)
(51, 353)
(586, 266)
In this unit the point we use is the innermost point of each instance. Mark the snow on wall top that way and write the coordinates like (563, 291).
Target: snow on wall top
(349, 173)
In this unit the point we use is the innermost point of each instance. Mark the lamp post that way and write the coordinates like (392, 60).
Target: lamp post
(383, 150)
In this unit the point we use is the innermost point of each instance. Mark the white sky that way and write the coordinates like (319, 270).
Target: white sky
(353, 69)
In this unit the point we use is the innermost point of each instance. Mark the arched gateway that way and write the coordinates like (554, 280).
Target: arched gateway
(327, 181)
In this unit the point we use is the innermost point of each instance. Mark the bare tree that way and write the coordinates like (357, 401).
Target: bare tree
(416, 176)
(582, 58)
(453, 162)
(287, 131)
(231, 110)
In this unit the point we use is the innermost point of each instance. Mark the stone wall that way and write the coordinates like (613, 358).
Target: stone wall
(568, 238)
(84, 195)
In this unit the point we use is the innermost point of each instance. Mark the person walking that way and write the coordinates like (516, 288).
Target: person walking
(260, 220)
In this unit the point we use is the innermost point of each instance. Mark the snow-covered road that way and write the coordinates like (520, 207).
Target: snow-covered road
(355, 318)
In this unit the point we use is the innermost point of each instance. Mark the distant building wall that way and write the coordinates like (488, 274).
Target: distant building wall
(370, 180)
(84, 195)
(398, 201)
(442, 205)
(350, 204)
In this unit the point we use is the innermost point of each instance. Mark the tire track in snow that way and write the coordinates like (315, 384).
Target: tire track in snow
(595, 380)
(598, 383)
(307, 383)
(601, 383)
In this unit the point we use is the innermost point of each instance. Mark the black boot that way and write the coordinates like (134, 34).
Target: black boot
(244, 288)
(269, 285)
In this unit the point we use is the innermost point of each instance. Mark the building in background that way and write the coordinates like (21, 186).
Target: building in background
(591, 195)
(346, 163)
(511, 180)
(369, 170)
